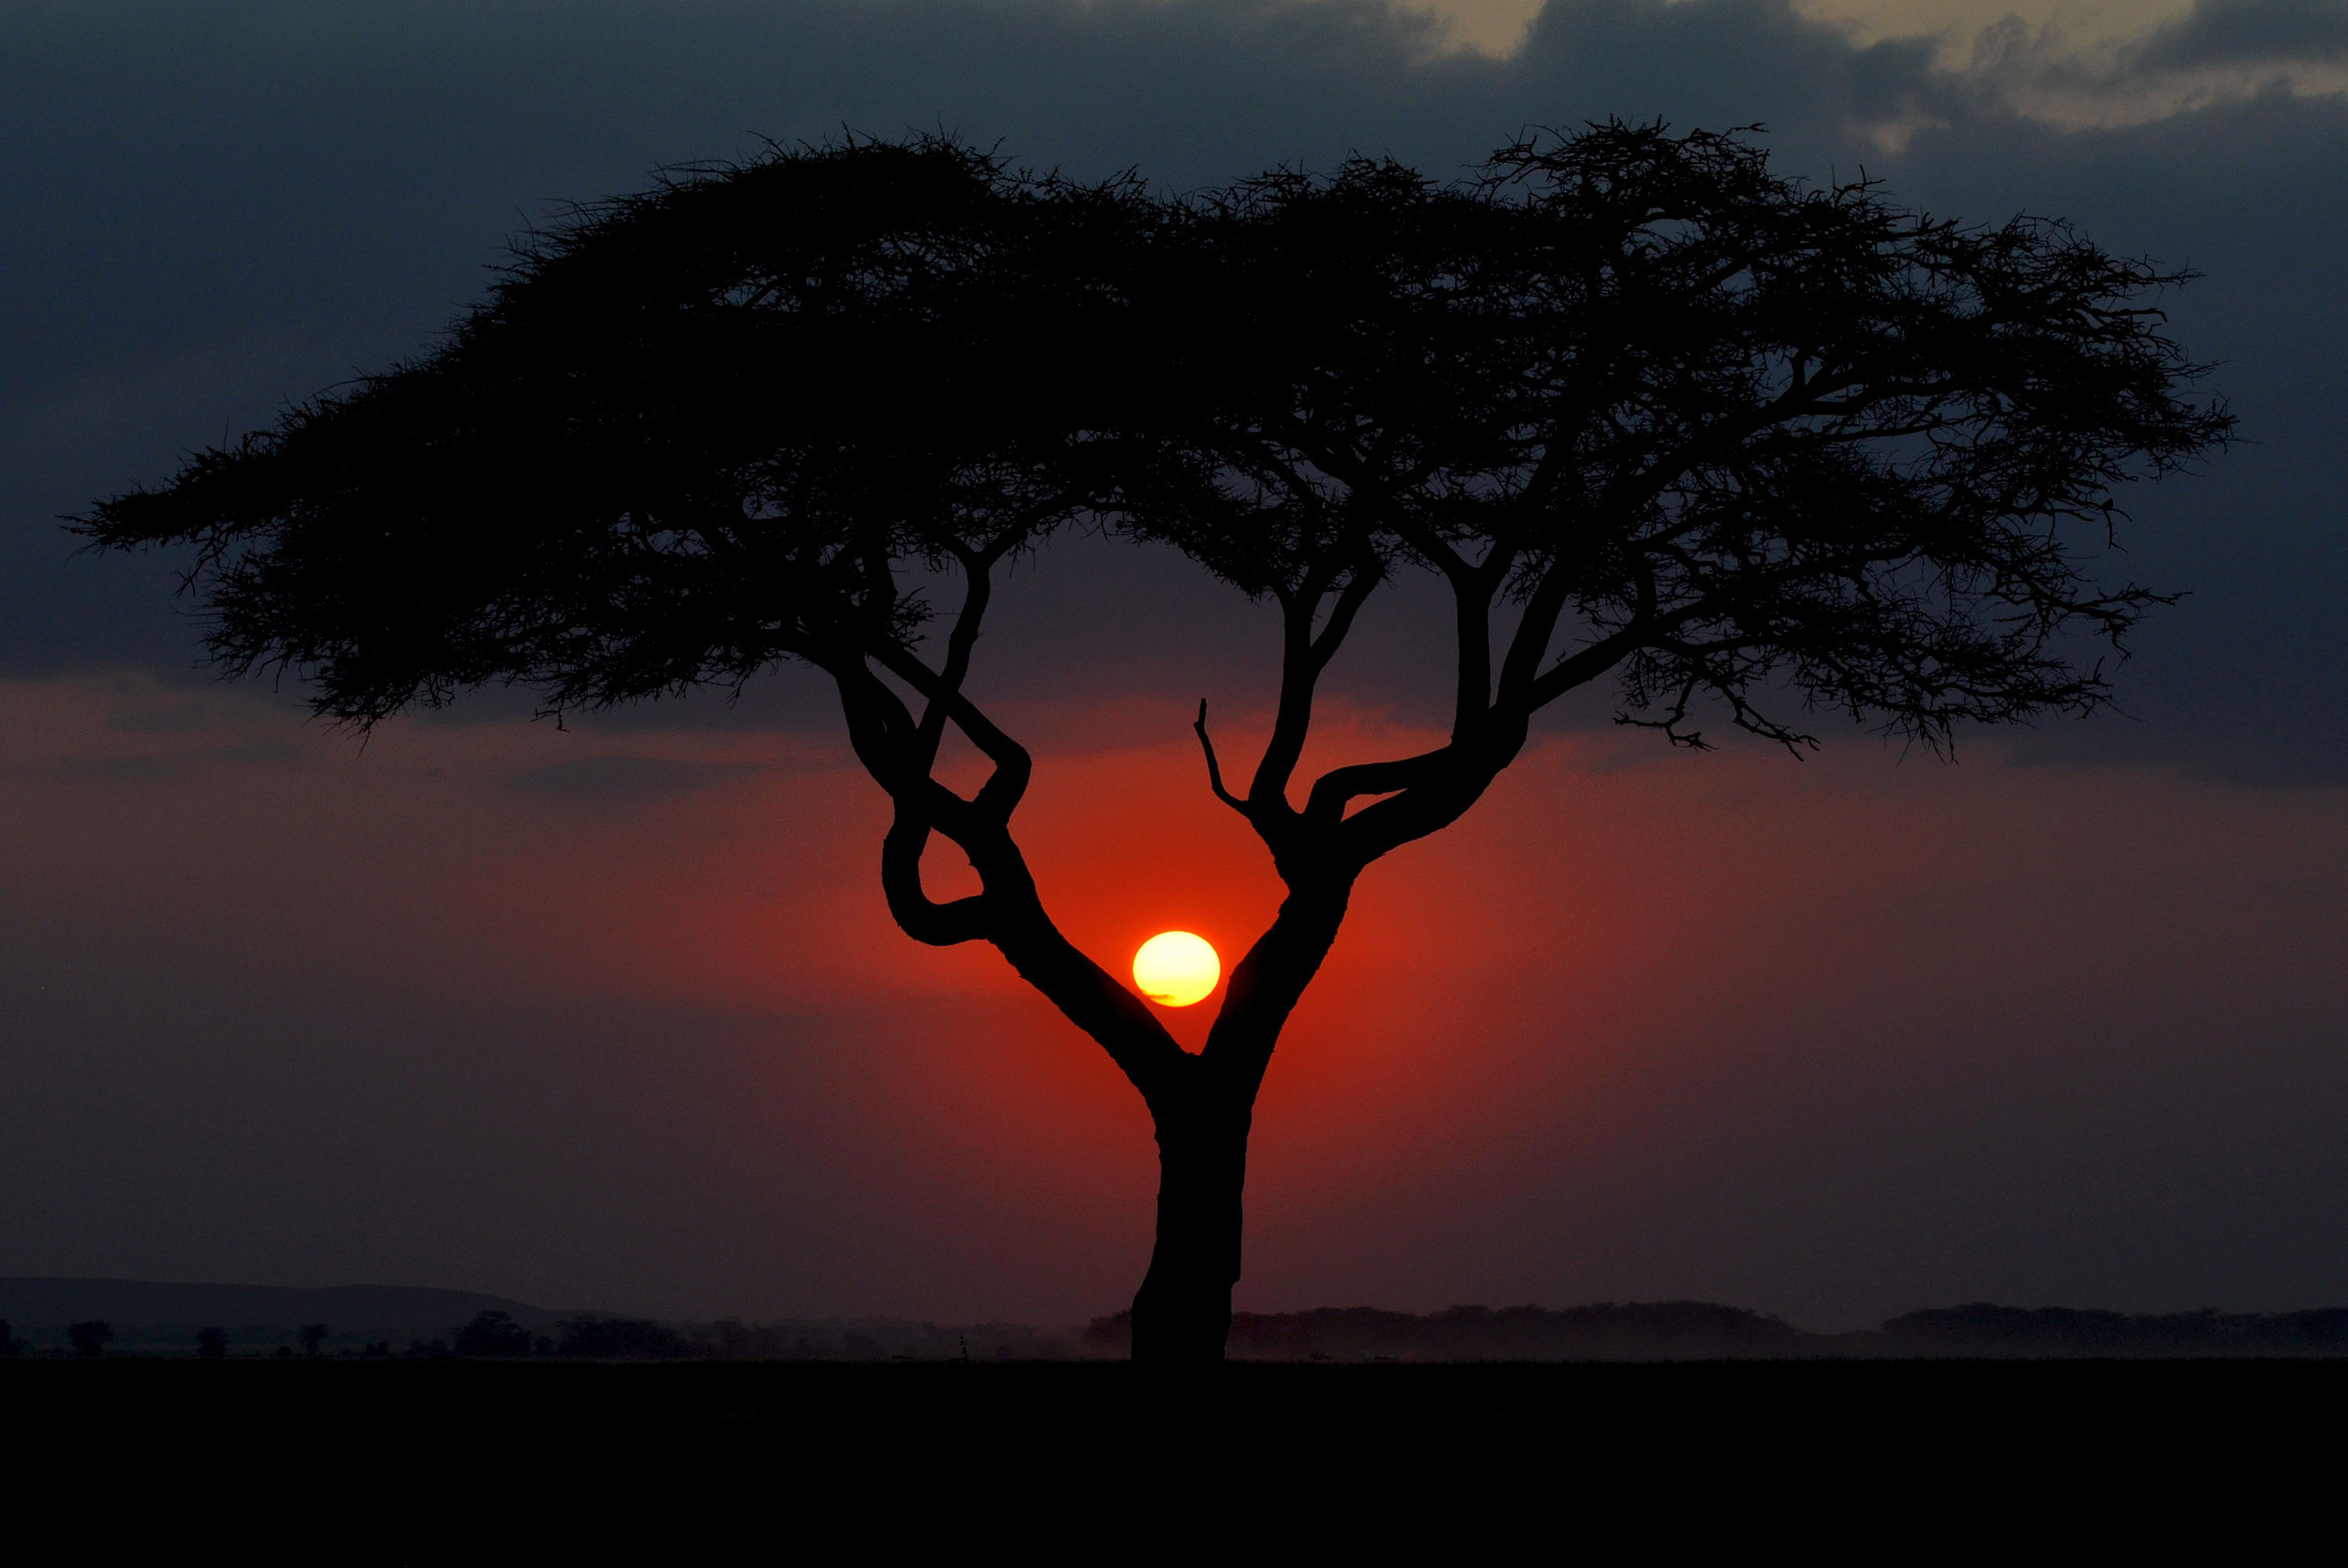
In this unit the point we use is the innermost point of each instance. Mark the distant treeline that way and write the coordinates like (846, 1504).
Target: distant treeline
(596, 1337)
(1697, 1330)
(1609, 1331)
(1982, 1329)
(493, 1334)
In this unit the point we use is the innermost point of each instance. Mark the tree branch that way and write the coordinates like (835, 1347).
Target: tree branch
(1004, 789)
(1336, 789)
(1292, 720)
(1267, 982)
(918, 915)
(1214, 768)
(978, 578)
(1009, 912)
(1086, 994)
(1305, 655)
(1360, 583)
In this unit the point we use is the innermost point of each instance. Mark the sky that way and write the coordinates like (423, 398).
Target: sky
(613, 1016)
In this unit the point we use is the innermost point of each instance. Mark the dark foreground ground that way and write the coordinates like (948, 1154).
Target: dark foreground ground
(452, 1460)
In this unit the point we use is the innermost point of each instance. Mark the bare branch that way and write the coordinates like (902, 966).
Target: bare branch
(1299, 670)
(1214, 768)
(1360, 583)
(978, 587)
(1004, 789)
(1339, 787)
(916, 913)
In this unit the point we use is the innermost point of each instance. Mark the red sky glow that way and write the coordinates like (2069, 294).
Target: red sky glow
(1828, 1038)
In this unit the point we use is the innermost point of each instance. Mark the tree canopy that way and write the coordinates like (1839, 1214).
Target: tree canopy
(1652, 413)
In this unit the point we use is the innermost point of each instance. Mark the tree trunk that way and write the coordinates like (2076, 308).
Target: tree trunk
(1182, 1313)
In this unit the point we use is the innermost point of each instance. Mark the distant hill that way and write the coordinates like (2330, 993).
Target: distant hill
(1697, 1330)
(1607, 1331)
(152, 1314)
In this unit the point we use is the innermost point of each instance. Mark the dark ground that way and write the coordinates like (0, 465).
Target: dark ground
(523, 1462)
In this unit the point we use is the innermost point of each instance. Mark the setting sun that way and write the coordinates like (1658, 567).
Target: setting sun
(1175, 968)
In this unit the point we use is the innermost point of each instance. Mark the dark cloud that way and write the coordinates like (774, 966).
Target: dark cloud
(2223, 32)
(1723, 63)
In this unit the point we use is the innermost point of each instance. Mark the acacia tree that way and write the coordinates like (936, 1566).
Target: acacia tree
(1651, 413)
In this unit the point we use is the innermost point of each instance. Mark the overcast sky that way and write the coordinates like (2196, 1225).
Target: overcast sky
(613, 1015)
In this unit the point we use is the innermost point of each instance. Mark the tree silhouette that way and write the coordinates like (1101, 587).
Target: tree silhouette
(211, 1344)
(492, 1333)
(313, 1335)
(89, 1339)
(621, 1337)
(1650, 411)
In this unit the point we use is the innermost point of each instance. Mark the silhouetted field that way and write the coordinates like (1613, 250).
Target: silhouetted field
(1495, 1416)
(548, 1461)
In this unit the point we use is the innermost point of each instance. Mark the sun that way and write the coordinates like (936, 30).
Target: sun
(1175, 968)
